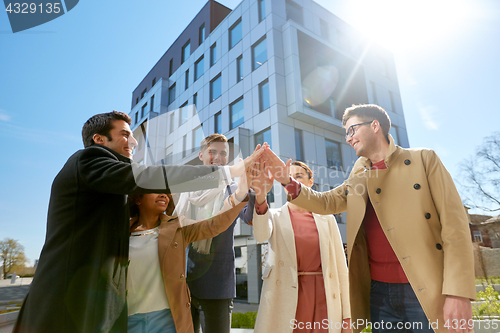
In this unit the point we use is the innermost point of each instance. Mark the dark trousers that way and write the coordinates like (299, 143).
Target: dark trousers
(394, 307)
(211, 315)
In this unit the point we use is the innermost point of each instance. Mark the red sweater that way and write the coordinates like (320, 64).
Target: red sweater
(384, 265)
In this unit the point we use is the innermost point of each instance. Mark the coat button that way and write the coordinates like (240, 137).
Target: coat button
(182, 276)
(378, 191)
(281, 263)
(346, 192)
(416, 186)
(439, 246)
(427, 215)
(176, 245)
(278, 282)
(407, 162)
(188, 305)
(334, 296)
(331, 275)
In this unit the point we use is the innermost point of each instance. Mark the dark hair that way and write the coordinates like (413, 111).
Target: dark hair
(101, 124)
(303, 166)
(205, 143)
(368, 112)
(134, 208)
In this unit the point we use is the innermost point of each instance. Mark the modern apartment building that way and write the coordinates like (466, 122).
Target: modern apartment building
(276, 71)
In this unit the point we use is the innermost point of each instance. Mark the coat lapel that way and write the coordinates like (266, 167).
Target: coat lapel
(324, 243)
(286, 231)
(166, 235)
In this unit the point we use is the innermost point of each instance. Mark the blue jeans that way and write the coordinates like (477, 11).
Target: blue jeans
(394, 307)
(152, 322)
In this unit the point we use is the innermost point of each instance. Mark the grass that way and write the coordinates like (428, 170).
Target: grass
(243, 320)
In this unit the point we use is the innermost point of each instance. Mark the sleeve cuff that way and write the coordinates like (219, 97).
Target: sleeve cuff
(261, 209)
(293, 188)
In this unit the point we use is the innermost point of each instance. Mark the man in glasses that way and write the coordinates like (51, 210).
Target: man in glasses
(411, 264)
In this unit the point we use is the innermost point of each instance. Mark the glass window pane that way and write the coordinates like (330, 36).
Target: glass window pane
(235, 34)
(333, 157)
(184, 112)
(264, 136)
(218, 123)
(299, 154)
(171, 94)
(186, 51)
(197, 137)
(259, 53)
(201, 37)
(239, 69)
(213, 54)
(264, 95)
(262, 10)
(198, 68)
(237, 113)
(215, 88)
(294, 12)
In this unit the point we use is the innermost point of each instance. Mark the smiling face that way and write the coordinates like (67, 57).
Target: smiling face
(364, 138)
(217, 153)
(152, 203)
(300, 174)
(122, 141)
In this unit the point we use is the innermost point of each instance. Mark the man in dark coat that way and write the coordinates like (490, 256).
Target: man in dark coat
(80, 281)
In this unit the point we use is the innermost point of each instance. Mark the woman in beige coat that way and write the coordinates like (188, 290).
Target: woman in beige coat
(157, 293)
(305, 275)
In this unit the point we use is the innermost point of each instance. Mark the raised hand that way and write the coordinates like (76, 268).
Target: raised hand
(260, 180)
(238, 169)
(279, 170)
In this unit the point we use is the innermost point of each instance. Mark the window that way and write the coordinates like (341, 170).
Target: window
(198, 68)
(333, 104)
(239, 68)
(294, 12)
(259, 53)
(184, 114)
(325, 33)
(299, 148)
(213, 54)
(137, 100)
(169, 153)
(195, 102)
(218, 123)
(264, 136)
(171, 67)
(154, 82)
(171, 94)
(143, 109)
(186, 80)
(152, 103)
(333, 157)
(478, 238)
(144, 93)
(215, 88)
(264, 102)
(393, 105)
(237, 252)
(393, 131)
(184, 145)
(235, 34)
(201, 35)
(172, 122)
(262, 10)
(136, 117)
(197, 137)
(236, 113)
(186, 51)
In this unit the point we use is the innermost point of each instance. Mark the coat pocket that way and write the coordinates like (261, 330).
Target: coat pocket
(267, 272)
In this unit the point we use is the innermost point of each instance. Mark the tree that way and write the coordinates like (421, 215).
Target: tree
(481, 176)
(12, 255)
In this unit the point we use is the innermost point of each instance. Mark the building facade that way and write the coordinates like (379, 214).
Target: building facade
(276, 71)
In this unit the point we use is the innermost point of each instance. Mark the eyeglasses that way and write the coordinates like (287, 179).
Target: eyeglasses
(350, 131)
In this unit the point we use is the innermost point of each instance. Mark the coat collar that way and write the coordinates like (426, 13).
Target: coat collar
(120, 157)
(367, 164)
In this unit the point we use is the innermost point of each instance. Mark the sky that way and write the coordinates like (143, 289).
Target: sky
(55, 76)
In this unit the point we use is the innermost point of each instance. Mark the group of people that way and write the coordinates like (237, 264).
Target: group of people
(122, 255)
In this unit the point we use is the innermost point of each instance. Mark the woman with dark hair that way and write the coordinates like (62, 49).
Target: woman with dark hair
(305, 275)
(157, 294)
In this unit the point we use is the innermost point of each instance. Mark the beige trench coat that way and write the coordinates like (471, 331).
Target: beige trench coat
(423, 218)
(172, 243)
(278, 302)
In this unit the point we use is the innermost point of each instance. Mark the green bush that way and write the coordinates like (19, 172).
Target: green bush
(487, 280)
(491, 307)
(243, 320)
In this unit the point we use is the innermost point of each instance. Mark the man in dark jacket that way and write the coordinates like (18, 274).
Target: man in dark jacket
(80, 281)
